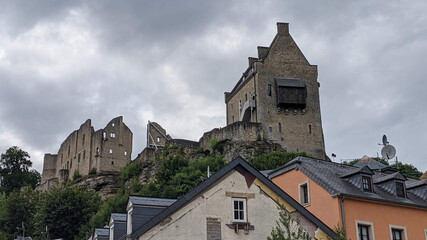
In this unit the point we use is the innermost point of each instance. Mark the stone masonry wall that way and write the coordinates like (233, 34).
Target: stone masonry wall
(238, 131)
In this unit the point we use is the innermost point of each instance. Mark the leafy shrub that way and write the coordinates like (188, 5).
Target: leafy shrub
(92, 171)
(76, 175)
(131, 170)
(274, 160)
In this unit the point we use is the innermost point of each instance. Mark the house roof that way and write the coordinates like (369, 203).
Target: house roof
(150, 201)
(102, 231)
(374, 165)
(329, 175)
(236, 163)
(118, 217)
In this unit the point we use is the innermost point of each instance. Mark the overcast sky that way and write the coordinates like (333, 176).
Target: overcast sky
(62, 62)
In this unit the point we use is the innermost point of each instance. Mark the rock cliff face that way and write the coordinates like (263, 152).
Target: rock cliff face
(105, 184)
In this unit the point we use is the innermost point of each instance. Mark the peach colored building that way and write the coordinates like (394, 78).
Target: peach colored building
(370, 204)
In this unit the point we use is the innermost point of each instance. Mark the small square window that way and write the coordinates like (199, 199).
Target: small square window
(158, 139)
(239, 209)
(125, 153)
(112, 124)
(111, 151)
(112, 135)
(366, 182)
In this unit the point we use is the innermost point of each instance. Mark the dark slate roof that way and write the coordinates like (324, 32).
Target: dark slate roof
(150, 201)
(102, 231)
(329, 176)
(396, 175)
(372, 165)
(119, 217)
(415, 183)
(289, 82)
(211, 181)
(364, 170)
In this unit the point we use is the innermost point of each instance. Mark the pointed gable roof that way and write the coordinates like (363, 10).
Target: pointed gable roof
(237, 164)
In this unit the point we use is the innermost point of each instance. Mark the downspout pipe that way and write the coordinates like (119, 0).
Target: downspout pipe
(343, 216)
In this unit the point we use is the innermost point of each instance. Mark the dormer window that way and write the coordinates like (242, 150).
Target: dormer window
(366, 184)
(400, 189)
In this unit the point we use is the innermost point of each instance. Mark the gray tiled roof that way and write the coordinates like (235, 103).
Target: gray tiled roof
(396, 175)
(102, 231)
(120, 217)
(150, 201)
(329, 176)
(372, 165)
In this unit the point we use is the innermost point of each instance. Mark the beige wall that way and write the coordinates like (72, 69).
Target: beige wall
(189, 222)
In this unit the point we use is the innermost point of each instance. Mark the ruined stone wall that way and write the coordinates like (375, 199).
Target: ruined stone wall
(156, 135)
(239, 131)
(107, 149)
(116, 146)
(49, 166)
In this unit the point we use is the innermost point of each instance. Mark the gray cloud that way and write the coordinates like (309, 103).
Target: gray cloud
(167, 61)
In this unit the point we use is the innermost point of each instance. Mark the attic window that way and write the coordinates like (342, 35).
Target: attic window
(366, 184)
(304, 194)
(158, 139)
(400, 189)
(239, 209)
(112, 124)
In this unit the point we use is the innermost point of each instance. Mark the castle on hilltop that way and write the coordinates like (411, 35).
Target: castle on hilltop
(274, 106)
(279, 90)
(84, 150)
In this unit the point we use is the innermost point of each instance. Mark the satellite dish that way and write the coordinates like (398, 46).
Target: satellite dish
(385, 142)
(388, 152)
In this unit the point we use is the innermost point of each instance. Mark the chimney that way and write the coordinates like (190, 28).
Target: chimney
(283, 28)
(251, 61)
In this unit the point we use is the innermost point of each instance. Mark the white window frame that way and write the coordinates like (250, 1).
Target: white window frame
(245, 218)
(129, 221)
(402, 228)
(300, 193)
(370, 229)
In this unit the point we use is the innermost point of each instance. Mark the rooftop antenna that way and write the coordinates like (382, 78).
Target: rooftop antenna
(388, 151)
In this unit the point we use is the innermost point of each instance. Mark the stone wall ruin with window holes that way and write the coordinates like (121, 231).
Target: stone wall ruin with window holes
(106, 150)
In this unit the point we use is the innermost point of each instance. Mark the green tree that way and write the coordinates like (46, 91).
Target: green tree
(16, 209)
(274, 160)
(65, 211)
(288, 229)
(15, 170)
(408, 170)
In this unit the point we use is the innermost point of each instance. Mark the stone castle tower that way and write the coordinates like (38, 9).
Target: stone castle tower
(279, 89)
(106, 150)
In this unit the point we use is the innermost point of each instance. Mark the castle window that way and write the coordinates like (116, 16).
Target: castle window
(112, 135)
(112, 124)
(104, 135)
(97, 150)
(280, 127)
(111, 151)
(83, 142)
(270, 129)
(62, 157)
(158, 139)
(68, 150)
(232, 117)
(84, 154)
(269, 90)
(246, 97)
(309, 129)
(112, 163)
(126, 153)
(78, 158)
